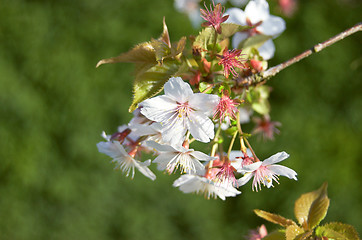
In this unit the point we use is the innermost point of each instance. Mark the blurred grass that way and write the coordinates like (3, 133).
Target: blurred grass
(54, 104)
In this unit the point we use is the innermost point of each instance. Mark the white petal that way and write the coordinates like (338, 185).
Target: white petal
(201, 127)
(159, 109)
(105, 136)
(113, 149)
(278, 157)
(183, 179)
(205, 103)
(164, 159)
(273, 26)
(178, 90)
(267, 50)
(238, 38)
(174, 134)
(283, 171)
(142, 129)
(202, 156)
(161, 147)
(242, 181)
(142, 167)
(251, 167)
(257, 10)
(236, 16)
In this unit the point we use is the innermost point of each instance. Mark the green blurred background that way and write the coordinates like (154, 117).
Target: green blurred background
(54, 104)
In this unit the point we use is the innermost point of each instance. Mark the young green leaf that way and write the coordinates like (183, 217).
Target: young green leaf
(165, 37)
(276, 235)
(150, 82)
(274, 218)
(303, 204)
(253, 42)
(292, 232)
(338, 231)
(142, 53)
(318, 209)
(207, 35)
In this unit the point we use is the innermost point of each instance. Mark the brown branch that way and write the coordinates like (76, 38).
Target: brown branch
(261, 78)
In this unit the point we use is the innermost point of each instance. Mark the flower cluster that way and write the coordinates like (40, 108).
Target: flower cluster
(205, 99)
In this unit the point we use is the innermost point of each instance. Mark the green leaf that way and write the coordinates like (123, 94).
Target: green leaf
(276, 235)
(229, 29)
(150, 82)
(143, 53)
(253, 42)
(161, 50)
(318, 209)
(338, 231)
(262, 107)
(303, 206)
(274, 218)
(293, 231)
(165, 37)
(204, 38)
(231, 130)
(203, 86)
(178, 47)
(207, 35)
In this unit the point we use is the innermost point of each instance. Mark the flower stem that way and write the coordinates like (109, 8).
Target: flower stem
(251, 149)
(232, 143)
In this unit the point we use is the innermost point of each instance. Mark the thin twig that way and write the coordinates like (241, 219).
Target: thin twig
(256, 79)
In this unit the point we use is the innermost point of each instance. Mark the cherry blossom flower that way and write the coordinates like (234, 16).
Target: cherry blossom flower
(214, 17)
(264, 172)
(230, 60)
(124, 161)
(257, 15)
(180, 110)
(226, 108)
(172, 157)
(189, 183)
(266, 127)
(257, 234)
(226, 173)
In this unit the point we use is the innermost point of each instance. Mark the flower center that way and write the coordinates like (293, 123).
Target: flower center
(183, 109)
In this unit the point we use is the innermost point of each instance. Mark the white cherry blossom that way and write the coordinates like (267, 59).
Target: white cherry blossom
(123, 160)
(179, 110)
(189, 183)
(172, 157)
(264, 172)
(257, 14)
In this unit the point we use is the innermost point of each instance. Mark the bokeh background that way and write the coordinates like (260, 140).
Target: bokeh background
(54, 104)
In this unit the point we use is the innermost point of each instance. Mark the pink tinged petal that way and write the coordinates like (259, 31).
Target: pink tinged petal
(205, 103)
(283, 171)
(242, 181)
(273, 26)
(257, 11)
(238, 38)
(178, 90)
(201, 127)
(142, 167)
(267, 50)
(236, 16)
(278, 157)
